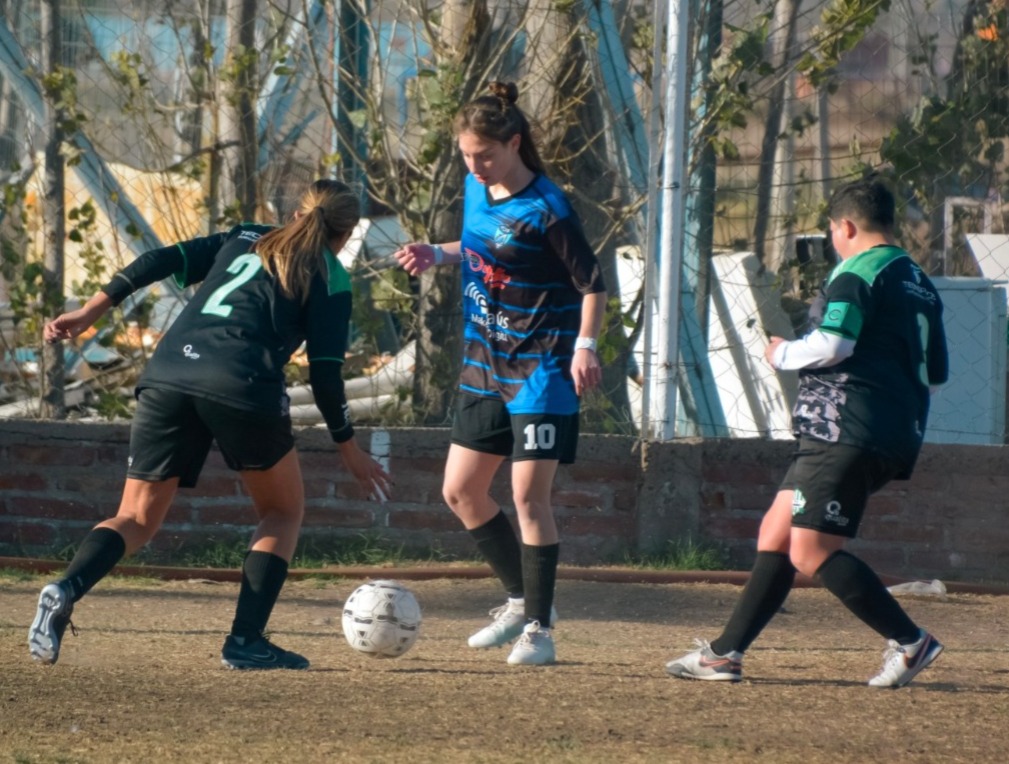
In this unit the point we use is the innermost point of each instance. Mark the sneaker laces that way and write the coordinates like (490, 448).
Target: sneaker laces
(892, 653)
(501, 612)
(531, 635)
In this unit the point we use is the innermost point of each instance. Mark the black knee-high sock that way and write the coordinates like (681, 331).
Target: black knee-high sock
(539, 568)
(770, 582)
(859, 588)
(98, 553)
(263, 576)
(499, 545)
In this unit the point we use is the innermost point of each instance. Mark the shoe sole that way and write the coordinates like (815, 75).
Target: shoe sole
(521, 662)
(260, 667)
(43, 643)
(550, 662)
(682, 672)
(509, 638)
(929, 658)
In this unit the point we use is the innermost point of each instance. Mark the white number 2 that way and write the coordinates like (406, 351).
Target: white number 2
(244, 268)
(540, 437)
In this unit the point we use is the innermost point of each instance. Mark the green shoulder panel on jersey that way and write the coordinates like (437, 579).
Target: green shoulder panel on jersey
(868, 265)
(180, 277)
(337, 278)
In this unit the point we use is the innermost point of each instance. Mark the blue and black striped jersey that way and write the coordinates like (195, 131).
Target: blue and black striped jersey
(526, 267)
(233, 338)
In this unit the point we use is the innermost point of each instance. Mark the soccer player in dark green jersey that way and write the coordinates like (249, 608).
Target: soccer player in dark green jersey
(218, 374)
(533, 300)
(866, 370)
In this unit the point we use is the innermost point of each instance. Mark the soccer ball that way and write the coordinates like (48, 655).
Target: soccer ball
(381, 619)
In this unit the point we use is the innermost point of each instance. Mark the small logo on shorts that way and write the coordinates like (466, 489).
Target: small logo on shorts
(187, 351)
(798, 503)
(834, 513)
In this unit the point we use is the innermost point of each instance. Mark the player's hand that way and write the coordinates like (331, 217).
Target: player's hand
(586, 370)
(415, 258)
(75, 322)
(369, 474)
(772, 345)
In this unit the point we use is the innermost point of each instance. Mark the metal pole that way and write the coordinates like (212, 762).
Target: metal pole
(671, 220)
(650, 251)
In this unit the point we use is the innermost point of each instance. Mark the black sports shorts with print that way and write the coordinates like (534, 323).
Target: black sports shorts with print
(172, 433)
(832, 484)
(485, 425)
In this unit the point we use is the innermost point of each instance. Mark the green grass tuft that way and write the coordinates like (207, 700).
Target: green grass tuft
(682, 554)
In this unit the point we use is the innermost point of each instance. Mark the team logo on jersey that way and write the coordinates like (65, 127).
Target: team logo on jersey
(494, 276)
(834, 513)
(503, 236)
(250, 235)
(473, 292)
(188, 352)
(798, 503)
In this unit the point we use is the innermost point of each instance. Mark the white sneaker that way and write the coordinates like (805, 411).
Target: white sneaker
(704, 664)
(535, 648)
(901, 663)
(507, 624)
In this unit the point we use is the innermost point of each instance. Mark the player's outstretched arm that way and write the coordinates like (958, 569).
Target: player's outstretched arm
(73, 323)
(416, 258)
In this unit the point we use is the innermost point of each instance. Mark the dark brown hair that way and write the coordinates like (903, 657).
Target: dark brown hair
(496, 117)
(869, 202)
(293, 253)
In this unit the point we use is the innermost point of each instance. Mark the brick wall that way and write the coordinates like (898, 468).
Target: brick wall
(57, 479)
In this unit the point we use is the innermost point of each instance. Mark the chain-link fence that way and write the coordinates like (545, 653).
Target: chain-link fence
(177, 119)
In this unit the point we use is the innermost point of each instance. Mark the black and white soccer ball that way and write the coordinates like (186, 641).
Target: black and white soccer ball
(381, 619)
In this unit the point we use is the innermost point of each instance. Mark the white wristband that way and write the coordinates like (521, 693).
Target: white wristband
(585, 343)
(439, 254)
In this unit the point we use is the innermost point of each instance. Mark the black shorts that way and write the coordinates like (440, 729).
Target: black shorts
(832, 484)
(485, 425)
(172, 433)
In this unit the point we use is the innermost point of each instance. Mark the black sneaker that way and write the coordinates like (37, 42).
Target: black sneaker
(51, 621)
(259, 653)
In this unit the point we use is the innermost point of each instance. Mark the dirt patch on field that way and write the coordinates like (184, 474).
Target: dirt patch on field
(143, 682)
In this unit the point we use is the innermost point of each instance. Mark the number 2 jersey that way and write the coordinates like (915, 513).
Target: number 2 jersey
(526, 267)
(877, 398)
(233, 339)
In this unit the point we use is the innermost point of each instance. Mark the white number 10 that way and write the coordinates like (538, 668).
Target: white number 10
(540, 437)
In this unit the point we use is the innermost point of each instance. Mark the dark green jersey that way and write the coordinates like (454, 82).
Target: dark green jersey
(234, 337)
(877, 398)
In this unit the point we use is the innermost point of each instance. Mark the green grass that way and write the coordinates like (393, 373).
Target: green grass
(681, 555)
(361, 549)
(372, 549)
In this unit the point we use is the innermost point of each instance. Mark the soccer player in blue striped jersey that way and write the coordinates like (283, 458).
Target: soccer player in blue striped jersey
(867, 367)
(218, 374)
(533, 301)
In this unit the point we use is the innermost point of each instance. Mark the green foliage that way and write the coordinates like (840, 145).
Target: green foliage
(362, 549)
(92, 254)
(843, 24)
(127, 70)
(60, 89)
(955, 145)
(682, 554)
